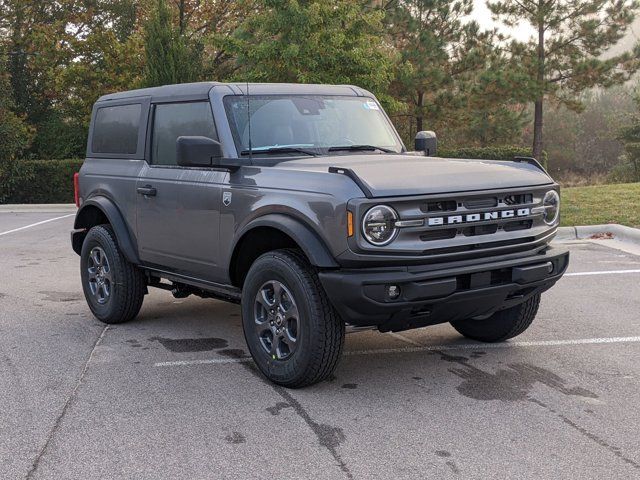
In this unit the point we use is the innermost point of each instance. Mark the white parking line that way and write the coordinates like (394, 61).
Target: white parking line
(36, 224)
(604, 272)
(427, 348)
(205, 361)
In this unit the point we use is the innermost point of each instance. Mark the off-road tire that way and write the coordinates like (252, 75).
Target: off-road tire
(502, 325)
(128, 284)
(321, 330)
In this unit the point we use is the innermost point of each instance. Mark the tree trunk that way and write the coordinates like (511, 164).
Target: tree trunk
(17, 64)
(537, 130)
(419, 117)
(539, 103)
(181, 26)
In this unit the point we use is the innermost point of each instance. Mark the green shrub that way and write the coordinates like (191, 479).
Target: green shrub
(12, 175)
(491, 153)
(38, 181)
(59, 139)
(627, 172)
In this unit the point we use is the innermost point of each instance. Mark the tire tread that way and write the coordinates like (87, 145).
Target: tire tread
(130, 293)
(332, 338)
(329, 338)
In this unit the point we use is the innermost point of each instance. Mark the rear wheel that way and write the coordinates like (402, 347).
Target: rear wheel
(113, 287)
(502, 325)
(293, 333)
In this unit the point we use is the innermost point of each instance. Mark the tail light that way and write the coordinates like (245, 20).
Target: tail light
(76, 189)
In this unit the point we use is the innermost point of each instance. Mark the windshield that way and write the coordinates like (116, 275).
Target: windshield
(310, 124)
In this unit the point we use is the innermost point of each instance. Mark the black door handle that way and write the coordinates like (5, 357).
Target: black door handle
(147, 191)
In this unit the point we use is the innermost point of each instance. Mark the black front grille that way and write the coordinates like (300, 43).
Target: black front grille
(480, 246)
(444, 206)
(439, 234)
(470, 225)
(472, 220)
(487, 202)
(518, 199)
(520, 225)
(480, 230)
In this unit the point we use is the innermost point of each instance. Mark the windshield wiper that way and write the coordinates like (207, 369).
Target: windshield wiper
(361, 148)
(271, 150)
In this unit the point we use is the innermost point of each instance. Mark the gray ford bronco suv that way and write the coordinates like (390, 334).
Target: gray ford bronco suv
(301, 203)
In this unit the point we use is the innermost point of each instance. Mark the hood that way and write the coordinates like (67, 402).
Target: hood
(399, 175)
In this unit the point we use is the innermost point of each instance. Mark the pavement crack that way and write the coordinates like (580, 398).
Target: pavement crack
(328, 436)
(65, 408)
(454, 468)
(591, 436)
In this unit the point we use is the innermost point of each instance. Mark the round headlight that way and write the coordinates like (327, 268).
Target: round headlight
(551, 205)
(378, 225)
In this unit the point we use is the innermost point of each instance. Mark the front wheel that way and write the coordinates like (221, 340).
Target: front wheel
(502, 325)
(293, 333)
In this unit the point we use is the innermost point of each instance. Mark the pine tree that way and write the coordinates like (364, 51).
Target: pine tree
(568, 53)
(441, 58)
(170, 56)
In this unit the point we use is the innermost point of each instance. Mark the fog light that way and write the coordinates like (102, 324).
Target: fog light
(549, 267)
(393, 292)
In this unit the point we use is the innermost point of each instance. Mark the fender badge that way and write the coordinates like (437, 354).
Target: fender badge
(226, 198)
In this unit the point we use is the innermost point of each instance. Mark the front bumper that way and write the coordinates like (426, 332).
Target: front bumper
(429, 296)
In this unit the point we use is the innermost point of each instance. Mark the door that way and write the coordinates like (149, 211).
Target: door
(178, 208)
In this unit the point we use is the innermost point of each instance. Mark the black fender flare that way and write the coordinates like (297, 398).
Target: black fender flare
(120, 228)
(312, 246)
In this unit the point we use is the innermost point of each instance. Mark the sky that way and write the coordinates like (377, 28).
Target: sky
(482, 15)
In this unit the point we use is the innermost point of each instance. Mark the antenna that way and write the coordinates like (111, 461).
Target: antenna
(249, 125)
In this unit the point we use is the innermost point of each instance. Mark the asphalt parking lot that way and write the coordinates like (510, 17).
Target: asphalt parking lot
(171, 394)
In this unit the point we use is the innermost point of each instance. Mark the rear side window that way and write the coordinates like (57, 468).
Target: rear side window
(173, 120)
(115, 129)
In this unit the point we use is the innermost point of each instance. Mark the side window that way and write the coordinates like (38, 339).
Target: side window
(115, 129)
(172, 120)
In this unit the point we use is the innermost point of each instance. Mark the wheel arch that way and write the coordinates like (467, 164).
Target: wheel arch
(271, 232)
(97, 211)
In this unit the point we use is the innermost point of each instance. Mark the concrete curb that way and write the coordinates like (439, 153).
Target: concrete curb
(39, 208)
(600, 232)
(566, 233)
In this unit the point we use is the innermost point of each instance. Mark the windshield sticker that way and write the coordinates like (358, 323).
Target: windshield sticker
(370, 105)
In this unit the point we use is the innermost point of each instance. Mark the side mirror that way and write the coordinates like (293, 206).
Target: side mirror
(198, 152)
(427, 142)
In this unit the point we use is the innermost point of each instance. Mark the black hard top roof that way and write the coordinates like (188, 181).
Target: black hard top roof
(201, 90)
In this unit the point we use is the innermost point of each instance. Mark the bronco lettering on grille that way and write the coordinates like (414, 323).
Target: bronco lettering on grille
(479, 217)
